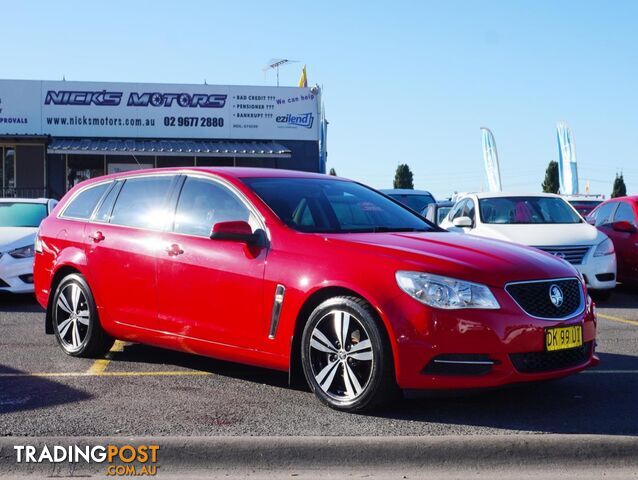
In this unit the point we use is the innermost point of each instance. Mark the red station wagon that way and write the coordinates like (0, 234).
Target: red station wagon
(319, 276)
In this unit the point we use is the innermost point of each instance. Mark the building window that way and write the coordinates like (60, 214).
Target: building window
(83, 167)
(8, 170)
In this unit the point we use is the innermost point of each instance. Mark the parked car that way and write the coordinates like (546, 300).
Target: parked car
(19, 221)
(540, 220)
(415, 200)
(436, 212)
(584, 204)
(618, 219)
(306, 273)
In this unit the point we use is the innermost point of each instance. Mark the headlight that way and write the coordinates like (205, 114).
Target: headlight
(606, 247)
(445, 292)
(23, 252)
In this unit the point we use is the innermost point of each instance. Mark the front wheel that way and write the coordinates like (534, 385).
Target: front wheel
(76, 325)
(346, 356)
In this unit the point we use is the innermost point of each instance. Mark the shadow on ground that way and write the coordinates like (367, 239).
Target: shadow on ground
(22, 392)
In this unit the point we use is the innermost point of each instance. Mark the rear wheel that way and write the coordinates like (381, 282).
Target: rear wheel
(75, 322)
(346, 356)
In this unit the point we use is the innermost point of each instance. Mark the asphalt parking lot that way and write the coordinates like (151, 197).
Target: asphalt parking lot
(141, 390)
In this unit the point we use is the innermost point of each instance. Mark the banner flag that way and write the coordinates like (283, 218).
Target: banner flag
(567, 167)
(490, 155)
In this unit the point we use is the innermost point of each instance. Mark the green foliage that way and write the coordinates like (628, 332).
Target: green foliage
(620, 189)
(403, 177)
(551, 183)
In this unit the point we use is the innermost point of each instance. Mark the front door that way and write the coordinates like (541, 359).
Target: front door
(211, 290)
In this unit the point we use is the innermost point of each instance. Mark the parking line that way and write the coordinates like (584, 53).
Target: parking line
(617, 319)
(107, 374)
(99, 366)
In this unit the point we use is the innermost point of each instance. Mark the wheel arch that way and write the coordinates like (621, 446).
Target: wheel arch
(295, 370)
(61, 272)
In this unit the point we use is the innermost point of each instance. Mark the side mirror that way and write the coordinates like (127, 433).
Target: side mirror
(462, 222)
(236, 231)
(623, 226)
(591, 220)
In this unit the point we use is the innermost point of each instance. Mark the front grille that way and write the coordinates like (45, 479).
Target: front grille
(534, 298)
(537, 362)
(573, 254)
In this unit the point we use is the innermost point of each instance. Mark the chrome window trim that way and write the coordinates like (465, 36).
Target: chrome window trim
(579, 311)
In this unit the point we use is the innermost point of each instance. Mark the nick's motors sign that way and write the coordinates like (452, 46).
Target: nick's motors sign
(75, 109)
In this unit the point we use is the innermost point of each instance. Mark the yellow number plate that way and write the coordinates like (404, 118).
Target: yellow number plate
(561, 338)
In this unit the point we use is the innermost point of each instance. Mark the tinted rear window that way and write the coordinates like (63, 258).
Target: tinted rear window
(142, 203)
(84, 203)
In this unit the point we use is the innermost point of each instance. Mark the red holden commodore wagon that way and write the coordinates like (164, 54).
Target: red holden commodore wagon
(319, 276)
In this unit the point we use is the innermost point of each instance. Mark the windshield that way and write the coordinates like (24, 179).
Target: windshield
(17, 214)
(442, 213)
(317, 205)
(416, 202)
(526, 210)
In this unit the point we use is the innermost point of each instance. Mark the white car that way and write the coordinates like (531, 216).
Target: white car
(540, 220)
(19, 222)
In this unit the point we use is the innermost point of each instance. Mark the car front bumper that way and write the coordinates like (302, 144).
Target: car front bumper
(11, 271)
(511, 341)
(599, 272)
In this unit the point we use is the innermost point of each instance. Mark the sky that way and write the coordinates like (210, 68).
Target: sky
(404, 82)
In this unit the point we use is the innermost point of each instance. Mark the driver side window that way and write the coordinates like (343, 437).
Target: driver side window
(457, 211)
(203, 203)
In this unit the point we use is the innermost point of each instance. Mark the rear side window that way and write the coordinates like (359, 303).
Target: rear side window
(84, 203)
(142, 203)
(103, 213)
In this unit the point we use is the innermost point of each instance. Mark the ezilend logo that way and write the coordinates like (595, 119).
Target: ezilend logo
(298, 120)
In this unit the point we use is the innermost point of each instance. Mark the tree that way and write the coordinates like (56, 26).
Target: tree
(620, 189)
(551, 183)
(403, 177)
(333, 172)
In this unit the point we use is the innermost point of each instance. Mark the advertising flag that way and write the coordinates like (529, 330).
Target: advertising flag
(303, 79)
(490, 155)
(567, 168)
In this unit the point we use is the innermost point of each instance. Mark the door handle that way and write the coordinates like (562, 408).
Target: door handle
(97, 237)
(174, 249)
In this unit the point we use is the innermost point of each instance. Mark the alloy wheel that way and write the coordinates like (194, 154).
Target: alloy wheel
(341, 355)
(72, 317)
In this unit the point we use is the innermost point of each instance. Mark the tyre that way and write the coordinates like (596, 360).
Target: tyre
(346, 356)
(76, 324)
(601, 295)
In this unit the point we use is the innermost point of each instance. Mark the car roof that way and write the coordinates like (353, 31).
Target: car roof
(404, 191)
(631, 198)
(508, 194)
(25, 200)
(227, 172)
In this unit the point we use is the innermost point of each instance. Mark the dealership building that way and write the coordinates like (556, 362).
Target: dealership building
(54, 134)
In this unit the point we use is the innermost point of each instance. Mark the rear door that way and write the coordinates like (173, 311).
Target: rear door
(123, 241)
(211, 290)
